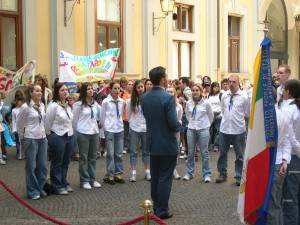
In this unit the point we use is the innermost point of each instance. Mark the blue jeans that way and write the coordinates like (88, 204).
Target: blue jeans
(61, 148)
(114, 157)
(238, 140)
(200, 137)
(135, 138)
(87, 144)
(274, 214)
(36, 166)
(214, 130)
(291, 193)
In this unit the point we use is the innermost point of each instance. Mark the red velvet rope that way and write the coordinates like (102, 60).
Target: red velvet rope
(30, 207)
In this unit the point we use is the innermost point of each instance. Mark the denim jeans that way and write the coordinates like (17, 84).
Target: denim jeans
(214, 130)
(200, 137)
(87, 144)
(114, 157)
(291, 193)
(135, 138)
(36, 165)
(238, 140)
(126, 142)
(274, 214)
(18, 153)
(61, 151)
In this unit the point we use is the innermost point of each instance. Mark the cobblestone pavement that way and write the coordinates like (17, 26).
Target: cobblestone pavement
(192, 202)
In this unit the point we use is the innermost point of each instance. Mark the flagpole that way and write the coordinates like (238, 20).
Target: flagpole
(266, 21)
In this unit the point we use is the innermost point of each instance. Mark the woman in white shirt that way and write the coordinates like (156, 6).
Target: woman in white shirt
(200, 116)
(137, 130)
(111, 120)
(291, 186)
(86, 126)
(31, 129)
(58, 124)
(215, 100)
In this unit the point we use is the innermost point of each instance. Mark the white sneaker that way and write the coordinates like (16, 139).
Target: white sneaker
(148, 176)
(187, 177)
(176, 175)
(183, 156)
(96, 184)
(2, 162)
(86, 186)
(207, 179)
(124, 152)
(69, 189)
(133, 178)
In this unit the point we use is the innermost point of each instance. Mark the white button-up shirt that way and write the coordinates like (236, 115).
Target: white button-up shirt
(110, 121)
(203, 115)
(83, 121)
(215, 102)
(28, 123)
(58, 120)
(137, 121)
(14, 116)
(233, 119)
(179, 111)
(292, 117)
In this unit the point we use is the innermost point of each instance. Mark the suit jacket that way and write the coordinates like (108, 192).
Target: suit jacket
(159, 109)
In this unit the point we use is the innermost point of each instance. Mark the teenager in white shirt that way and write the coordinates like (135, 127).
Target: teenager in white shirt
(200, 116)
(58, 124)
(291, 186)
(86, 126)
(31, 129)
(111, 120)
(137, 130)
(14, 116)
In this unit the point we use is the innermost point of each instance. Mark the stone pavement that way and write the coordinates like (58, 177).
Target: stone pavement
(192, 202)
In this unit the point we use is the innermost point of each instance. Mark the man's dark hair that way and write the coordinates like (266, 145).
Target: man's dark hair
(156, 74)
(225, 80)
(185, 80)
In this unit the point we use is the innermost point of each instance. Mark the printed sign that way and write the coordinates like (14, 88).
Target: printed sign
(72, 87)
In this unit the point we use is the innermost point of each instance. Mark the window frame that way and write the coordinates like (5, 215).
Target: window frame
(179, 57)
(232, 39)
(17, 15)
(109, 25)
(190, 9)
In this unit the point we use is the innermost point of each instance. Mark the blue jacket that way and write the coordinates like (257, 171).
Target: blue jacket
(159, 109)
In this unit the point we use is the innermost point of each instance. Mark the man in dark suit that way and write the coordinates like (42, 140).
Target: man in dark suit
(159, 108)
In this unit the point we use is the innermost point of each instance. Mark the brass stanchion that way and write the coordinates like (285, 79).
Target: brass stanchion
(147, 206)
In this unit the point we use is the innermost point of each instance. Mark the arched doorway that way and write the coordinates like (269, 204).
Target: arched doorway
(278, 33)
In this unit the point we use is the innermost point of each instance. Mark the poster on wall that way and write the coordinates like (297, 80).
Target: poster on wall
(102, 66)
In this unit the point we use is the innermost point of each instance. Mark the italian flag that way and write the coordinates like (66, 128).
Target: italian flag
(260, 153)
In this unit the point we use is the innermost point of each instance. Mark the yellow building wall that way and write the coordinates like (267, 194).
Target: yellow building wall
(202, 61)
(79, 28)
(43, 27)
(137, 36)
(162, 42)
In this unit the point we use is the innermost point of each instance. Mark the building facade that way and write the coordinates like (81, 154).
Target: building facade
(215, 38)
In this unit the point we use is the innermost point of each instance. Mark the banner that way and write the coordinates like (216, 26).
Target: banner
(72, 87)
(261, 147)
(23, 77)
(73, 68)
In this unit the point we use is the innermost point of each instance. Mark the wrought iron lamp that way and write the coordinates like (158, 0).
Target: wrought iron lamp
(167, 7)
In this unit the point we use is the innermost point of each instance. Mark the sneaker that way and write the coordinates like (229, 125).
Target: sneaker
(43, 194)
(183, 156)
(221, 179)
(216, 149)
(148, 176)
(96, 184)
(104, 154)
(124, 151)
(187, 177)
(86, 186)
(119, 179)
(69, 189)
(109, 180)
(2, 162)
(36, 197)
(238, 181)
(133, 178)
(4, 157)
(98, 155)
(75, 156)
(176, 175)
(62, 192)
(207, 179)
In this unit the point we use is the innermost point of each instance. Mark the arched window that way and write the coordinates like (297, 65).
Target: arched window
(278, 33)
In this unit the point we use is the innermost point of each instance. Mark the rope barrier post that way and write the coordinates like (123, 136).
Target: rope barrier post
(147, 206)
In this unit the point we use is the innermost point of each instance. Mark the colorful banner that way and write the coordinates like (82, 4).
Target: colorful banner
(23, 77)
(260, 154)
(73, 68)
(72, 87)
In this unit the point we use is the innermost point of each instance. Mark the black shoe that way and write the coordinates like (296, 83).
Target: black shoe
(221, 179)
(166, 215)
(238, 181)
(119, 179)
(109, 180)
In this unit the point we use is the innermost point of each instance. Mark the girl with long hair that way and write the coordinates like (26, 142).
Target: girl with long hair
(46, 91)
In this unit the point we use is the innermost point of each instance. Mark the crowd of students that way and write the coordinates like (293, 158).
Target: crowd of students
(108, 121)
